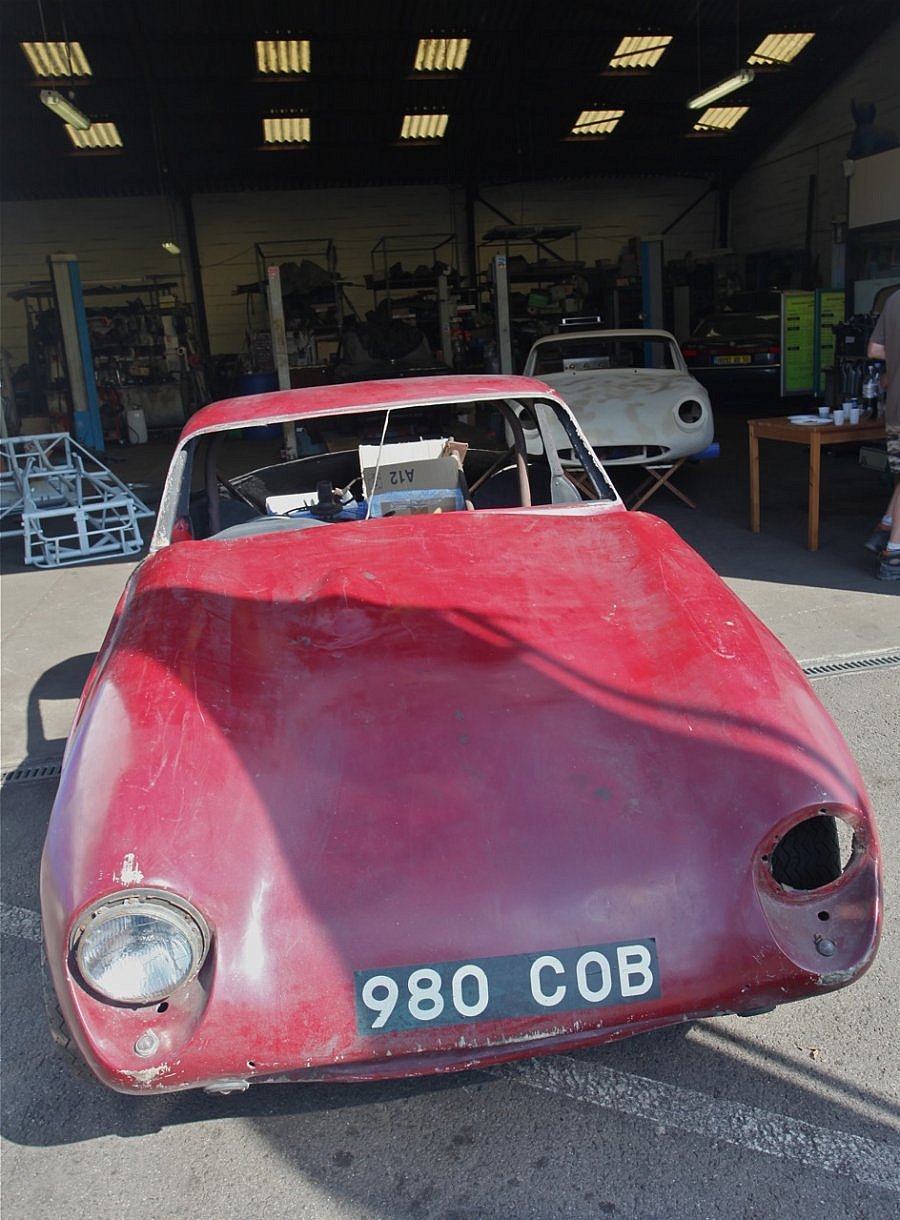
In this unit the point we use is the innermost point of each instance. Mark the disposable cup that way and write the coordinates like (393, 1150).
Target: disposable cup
(838, 417)
(854, 415)
(824, 413)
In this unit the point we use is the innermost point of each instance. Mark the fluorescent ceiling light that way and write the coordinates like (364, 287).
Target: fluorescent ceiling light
(287, 129)
(282, 56)
(56, 58)
(95, 136)
(66, 110)
(778, 49)
(596, 122)
(737, 80)
(424, 126)
(171, 247)
(640, 51)
(441, 54)
(720, 118)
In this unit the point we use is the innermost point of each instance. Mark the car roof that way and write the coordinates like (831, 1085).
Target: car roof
(636, 333)
(743, 313)
(355, 397)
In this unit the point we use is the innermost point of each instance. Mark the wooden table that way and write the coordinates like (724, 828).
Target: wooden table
(814, 436)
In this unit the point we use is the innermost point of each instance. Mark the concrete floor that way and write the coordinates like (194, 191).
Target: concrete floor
(791, 1115)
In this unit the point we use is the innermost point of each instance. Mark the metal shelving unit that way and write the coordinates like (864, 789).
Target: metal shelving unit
(304, 299)
(553, 270)
(140, 339)
(423, 296)
(389, 279)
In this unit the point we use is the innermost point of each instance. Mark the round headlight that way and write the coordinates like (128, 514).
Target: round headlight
(690, 411)
(139, 949)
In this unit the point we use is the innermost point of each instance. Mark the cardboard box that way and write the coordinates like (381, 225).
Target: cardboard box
(409, 466)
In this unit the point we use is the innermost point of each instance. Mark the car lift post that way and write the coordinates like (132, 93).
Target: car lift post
(279, 350)
(77, 349)
(652, 282)
(501, 313)
(443, 302)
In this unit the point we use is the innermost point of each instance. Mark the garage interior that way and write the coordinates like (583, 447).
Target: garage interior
(255, 197)
(383, 159)
(232, 145)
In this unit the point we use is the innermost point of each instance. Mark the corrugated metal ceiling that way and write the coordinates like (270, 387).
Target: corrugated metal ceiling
(179, 79)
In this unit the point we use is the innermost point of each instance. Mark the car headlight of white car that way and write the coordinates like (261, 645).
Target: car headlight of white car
(138, 947)
(690, 411)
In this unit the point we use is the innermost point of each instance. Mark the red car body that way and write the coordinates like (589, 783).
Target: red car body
(445, 790)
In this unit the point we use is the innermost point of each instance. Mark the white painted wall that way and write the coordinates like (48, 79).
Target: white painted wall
(115, 239)
(874, 185)
(770, 201)
(297, 224)
(119, 239)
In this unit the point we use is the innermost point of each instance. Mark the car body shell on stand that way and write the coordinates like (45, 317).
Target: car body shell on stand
(630, 391)
(363, 790)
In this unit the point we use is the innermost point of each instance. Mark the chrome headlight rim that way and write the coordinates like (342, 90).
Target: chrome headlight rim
(161, 905)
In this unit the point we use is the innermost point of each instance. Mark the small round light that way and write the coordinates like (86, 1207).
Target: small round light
(139, 949)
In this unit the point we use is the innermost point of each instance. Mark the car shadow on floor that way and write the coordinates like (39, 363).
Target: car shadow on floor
(63, 682)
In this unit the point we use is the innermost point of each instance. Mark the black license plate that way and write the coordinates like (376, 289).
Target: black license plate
(518, 985)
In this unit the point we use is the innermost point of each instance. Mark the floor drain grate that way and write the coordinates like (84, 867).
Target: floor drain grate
(852, 665)
(49, 769)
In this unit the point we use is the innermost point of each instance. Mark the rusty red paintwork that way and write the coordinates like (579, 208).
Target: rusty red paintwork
(452, 739)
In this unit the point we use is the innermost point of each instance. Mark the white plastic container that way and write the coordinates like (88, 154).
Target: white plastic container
(137, 426)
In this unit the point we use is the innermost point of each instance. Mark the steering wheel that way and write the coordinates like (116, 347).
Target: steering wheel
(237, 493)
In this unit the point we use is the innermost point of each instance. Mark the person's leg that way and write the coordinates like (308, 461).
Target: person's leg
(893, 514)
(878, 539)
(889, 558)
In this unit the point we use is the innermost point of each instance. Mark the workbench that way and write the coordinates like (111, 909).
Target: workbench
(814, 436)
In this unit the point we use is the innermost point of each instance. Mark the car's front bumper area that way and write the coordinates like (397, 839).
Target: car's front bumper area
(205, 1066)
(207, 1042)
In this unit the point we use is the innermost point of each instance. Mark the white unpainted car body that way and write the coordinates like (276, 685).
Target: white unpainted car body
(630, 392)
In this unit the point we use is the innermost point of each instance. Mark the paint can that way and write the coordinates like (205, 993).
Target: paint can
(136, 422)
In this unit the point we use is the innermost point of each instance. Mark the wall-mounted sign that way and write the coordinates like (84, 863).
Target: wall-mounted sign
(829, 312)
(798, 343)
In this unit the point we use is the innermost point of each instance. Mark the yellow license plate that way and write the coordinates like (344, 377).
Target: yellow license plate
(732, 359)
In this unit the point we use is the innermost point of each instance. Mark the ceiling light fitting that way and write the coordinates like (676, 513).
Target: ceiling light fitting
(640, 51)
(66, 59)
(424, 127)
(737, 80)
(283, 56)
(719, 119)
(171, 247)
(66, 110)
(98, 137)
(596, 122)
(441, 54)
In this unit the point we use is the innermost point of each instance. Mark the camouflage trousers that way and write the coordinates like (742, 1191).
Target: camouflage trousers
(893, 449)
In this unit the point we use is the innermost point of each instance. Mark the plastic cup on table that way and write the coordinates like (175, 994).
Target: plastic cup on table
(824, 414)
(854, 415)
(839, 417)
